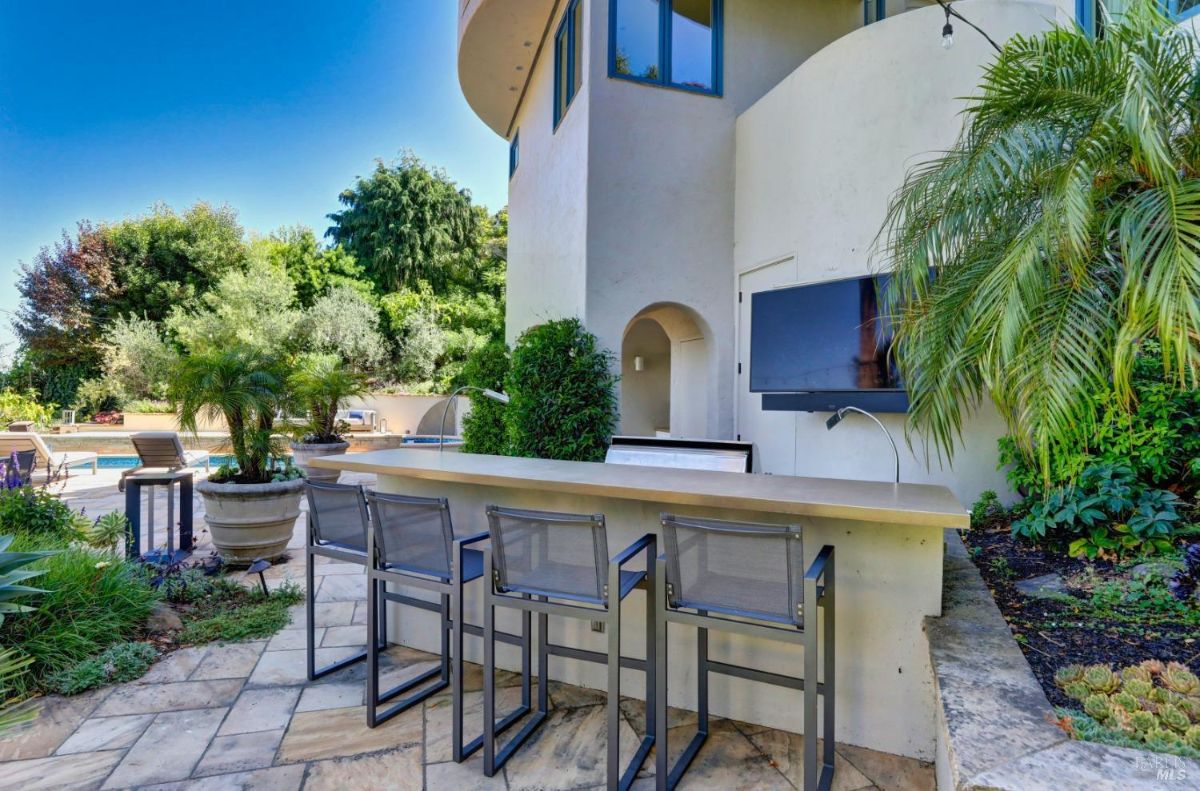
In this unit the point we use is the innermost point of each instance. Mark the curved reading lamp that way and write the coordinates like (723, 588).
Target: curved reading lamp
(492, 394)
(839, 415)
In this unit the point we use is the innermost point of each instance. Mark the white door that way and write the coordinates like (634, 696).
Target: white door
(691, 403)
(773, 433)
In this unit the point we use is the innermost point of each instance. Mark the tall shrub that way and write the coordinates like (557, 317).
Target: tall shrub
(484, 429)
(563, 394)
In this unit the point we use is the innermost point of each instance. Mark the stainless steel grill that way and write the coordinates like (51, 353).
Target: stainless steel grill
(686, 454)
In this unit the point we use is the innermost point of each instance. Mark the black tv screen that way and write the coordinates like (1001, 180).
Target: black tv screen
(827, 337)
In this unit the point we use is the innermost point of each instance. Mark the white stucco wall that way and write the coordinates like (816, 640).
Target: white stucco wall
(817, 160)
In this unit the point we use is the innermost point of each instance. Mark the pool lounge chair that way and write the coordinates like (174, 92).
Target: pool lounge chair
(162, 450)
(45, 458)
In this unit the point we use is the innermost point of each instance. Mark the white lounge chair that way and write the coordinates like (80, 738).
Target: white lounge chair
(46, 458)
(162, 450)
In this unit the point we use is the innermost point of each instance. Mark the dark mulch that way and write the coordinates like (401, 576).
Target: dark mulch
(1053, 632)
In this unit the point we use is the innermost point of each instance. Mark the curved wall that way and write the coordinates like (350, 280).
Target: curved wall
(817, 159)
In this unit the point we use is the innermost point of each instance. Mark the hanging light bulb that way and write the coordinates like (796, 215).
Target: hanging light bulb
(947, 35)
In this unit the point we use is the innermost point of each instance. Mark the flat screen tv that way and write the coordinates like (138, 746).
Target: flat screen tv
(822, 347)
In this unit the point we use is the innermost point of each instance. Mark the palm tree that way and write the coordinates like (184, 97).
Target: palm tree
(243, 387)
(1063, 228)
(321, 384)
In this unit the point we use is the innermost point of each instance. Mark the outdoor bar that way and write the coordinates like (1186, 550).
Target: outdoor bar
(888, 539)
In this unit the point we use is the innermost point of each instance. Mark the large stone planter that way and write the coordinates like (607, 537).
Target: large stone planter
(302, 454)
(251, 520)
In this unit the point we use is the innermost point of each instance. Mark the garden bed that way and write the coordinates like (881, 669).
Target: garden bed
(1104, 613)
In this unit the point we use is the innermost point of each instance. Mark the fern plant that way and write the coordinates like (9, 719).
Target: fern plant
(1063, 228)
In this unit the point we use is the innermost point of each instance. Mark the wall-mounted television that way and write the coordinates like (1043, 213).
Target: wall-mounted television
(822, 347)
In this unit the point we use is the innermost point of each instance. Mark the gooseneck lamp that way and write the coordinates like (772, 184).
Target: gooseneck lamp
(839, 415)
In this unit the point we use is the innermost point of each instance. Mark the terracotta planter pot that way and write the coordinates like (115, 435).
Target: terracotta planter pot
(249, 521)
(302, 454)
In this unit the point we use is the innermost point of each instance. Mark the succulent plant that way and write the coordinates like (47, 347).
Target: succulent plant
(1162, 739)
(1170, 716)
(1137, 687)
(1096, 706)
(1119, 717)
(1137, 673)
(1067, 675)
(1152, 666)
(1191, 707)
(1143, 721)
(1192, 737)
(1177, 678)
(1126, 701)
(1077, 690)
(1159, 695)
(1100, 678)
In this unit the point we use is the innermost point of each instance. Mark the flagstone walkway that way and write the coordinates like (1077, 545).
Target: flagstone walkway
(244, 716)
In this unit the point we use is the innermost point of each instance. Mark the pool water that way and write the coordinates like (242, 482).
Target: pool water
(121, 462)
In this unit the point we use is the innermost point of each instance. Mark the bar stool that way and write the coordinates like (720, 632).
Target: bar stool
(337, 529)
(411, 542)
(536, 556)
(755, 573)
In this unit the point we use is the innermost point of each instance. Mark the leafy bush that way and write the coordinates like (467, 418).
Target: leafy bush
(345, 322)
(93, 600)
(36, 511)
(483, 428)
(987, 508)
(1155, 705)
(562, 389)
(106, 532)
(114, 665)
(137, 359)
(23, 405)
(148, 406)
(1107, 514)
(236, 613)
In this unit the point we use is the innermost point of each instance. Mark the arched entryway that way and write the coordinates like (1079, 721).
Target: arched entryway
(665, 373)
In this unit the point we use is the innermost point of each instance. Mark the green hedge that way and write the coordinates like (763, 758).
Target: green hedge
(563, 394)
(484, 429)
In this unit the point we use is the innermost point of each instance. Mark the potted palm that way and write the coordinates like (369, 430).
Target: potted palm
(321, 384)
(251, 507)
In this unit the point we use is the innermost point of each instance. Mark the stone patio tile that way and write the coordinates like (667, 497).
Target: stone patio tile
(360, 613)
(567, 752)
(79, 772)
(57, 719)
(321, 697)
(279, 778)
(635, 711)
(291, 639)
(336, 733)
(174, 696)
(176, 666)
(334, 567)
(728, 761)
(264, 709)
(786, 751)
(438, 719)
(890, 772)
(345, 635)
(233, 660)
(397, 770)
(467, 776)
(327, 613)
(169, 749)
(568, 696)
(106, 733)
(276, 668)
(342, 588)
(239, 752)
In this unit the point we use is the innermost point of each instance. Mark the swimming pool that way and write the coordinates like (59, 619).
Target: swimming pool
(123, 462)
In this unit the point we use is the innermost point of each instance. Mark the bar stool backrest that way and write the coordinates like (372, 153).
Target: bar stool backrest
(562, 556)
(339, 515)
(412, 533)
(26, 459)
(737, 568)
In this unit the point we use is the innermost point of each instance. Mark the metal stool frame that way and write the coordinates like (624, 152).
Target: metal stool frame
(609, 615)
(449, 608)
(818, 594)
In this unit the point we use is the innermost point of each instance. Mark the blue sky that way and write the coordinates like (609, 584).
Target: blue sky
(271, 107)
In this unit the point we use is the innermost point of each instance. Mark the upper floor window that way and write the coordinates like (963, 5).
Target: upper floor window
(874, 11)
(1091, 17)
(568, 59)
(667, 42)
(514, 154)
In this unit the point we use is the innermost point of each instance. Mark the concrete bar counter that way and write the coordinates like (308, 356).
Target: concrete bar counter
(888, 541)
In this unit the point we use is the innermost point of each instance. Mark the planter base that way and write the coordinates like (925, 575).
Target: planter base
(302, 454)
(251, 521)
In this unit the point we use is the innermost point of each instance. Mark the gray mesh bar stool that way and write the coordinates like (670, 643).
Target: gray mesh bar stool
(756, 574)
(337, 528)
(412, 543)
(539, 556)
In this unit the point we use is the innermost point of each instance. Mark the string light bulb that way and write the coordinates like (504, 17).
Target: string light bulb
(947, 35)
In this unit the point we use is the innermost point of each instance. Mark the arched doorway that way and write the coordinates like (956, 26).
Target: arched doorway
(665, 374)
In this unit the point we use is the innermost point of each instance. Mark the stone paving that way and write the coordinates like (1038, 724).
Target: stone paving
(243, 716)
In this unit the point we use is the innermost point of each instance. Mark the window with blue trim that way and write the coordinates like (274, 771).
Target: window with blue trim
(1091, 19)
(568, 59)
(514, 154)
(674, 43)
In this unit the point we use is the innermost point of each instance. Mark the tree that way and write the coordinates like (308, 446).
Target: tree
(1064, 229)
(313, 269)
(405, 222)
(345, 322)
(255, 309)
(138, 360)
